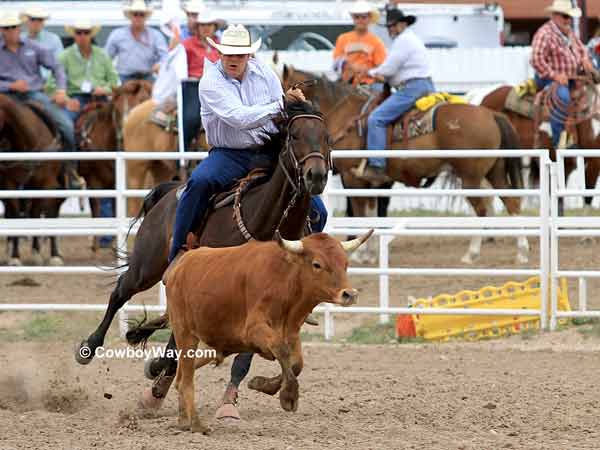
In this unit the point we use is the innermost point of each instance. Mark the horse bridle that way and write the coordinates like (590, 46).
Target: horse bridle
(298, 164)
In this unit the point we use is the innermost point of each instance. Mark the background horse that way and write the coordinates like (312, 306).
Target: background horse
(21, 129)
(140, 134)
(282, 203)
(100, 128)
(458, 126)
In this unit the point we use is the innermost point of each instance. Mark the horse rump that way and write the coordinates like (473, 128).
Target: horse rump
(510, 141)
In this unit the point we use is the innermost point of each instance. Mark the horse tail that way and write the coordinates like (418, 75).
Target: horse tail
(151, 199)
(143, 329)
(510, 141)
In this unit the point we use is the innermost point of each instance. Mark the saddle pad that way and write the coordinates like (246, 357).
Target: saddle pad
(420, 125)
(522, 105)
(527, 87)
(429, 101)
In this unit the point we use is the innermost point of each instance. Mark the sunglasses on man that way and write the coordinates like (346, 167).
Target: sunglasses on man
(10, 27)
(82, 32)
(565, 16)
(138, 14)
(360, 16)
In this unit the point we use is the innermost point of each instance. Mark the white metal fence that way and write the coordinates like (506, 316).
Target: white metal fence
(547, 226)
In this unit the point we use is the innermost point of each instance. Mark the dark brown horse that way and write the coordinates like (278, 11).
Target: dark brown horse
(23, 130)
(281, 203)
(458, 126)
(100, 128)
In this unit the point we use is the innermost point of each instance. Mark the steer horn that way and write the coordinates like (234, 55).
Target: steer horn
(291, 246)
(352, 245)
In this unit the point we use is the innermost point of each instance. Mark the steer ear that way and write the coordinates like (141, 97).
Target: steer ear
(291, 246)
(352, 245)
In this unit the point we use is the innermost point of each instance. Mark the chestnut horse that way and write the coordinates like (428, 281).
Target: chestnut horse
(458, 126)
(588, 132)
(100, 128)
(22, 130)
(142, 135)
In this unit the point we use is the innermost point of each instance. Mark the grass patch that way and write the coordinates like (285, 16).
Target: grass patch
(375, 333)
(529, 333)
(42, 326)
(589, 327)
(160, 336)
(306, 336)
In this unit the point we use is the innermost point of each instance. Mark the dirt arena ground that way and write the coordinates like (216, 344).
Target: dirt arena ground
(535, 391)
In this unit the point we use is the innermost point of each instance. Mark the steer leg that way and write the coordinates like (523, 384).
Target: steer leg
(288, 395)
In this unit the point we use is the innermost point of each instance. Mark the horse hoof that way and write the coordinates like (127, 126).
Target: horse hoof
(56, 261)
(469, 259)
(83, 353)
(149, 402)
(228, 411)
(199, 427)
(588, 240)
(36, 259)
(15, 262)
(522, 259)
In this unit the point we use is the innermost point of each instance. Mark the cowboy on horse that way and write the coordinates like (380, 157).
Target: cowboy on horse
(557, 57)
(20, 62)
(359, 50)
(407, 68)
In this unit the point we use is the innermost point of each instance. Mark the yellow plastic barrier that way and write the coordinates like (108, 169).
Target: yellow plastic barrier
(512, 295)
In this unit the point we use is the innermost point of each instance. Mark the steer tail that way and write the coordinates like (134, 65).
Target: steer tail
(141, 331)
(510, 141)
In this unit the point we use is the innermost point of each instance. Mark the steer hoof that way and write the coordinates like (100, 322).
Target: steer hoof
(83, 353)
(228, 411)
(199, 427)
(289, 404)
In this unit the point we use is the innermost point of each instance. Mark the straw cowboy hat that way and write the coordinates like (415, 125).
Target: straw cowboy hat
(193, 6)
(82, 25)
(137, 6)
(35, 12)
(10, 19)
(564, 7)
(236, 41)
(363, 7)
(206, 17)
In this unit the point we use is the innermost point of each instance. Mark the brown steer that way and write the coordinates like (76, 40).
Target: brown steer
(253, 298)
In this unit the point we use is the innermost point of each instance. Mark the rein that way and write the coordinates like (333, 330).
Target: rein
(295, 181)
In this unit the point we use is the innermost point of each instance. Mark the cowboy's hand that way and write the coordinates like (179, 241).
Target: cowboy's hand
(19, 86)
(100, 91)
(561, 78)
(73, 105)
(156, 68)
(60, 98)
(588, 67)
(294, 95)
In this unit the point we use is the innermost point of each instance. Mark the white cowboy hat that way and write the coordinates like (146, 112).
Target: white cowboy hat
(194, 6)
(35, 12)
(82, 25)
(205, 16)
(564, 7)
(236, 40)
(137, 6)
(10, 19)
(363, 7)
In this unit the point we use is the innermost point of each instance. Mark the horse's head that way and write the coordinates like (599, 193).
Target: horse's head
(306, 81)
(307, 148)
(131, 94)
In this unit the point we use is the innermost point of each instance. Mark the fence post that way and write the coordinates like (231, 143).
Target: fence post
(180, 137)
(554, 183)
(384, 280)
(545, 273)
(121, 218)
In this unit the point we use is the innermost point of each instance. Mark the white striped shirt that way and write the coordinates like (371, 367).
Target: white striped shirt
(239, 114)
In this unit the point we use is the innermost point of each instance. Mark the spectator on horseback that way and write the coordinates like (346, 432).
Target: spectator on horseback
(20, 63)
(558, 55)
(139, 49)
(89, 70)
(407, 68)
(240, 97)
(197, 49)
(359, 50)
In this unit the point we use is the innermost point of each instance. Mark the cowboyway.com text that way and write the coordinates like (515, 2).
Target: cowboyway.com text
(148, 353)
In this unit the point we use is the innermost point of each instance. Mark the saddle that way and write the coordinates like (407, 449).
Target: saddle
(522, 99)
(165, 116)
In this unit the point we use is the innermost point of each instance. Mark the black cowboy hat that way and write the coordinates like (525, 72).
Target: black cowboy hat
(394, 15)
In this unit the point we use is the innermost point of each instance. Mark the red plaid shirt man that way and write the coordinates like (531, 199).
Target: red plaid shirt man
(555, 53)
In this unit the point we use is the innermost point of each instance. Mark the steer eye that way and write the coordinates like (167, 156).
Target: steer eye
(316, 265)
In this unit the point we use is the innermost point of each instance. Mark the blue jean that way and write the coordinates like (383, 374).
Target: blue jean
(107, 209)
(390, 110)
(59, 115)
(136, 76)
(213, 175)
(557, 123)
(83, 99)
(191, 112)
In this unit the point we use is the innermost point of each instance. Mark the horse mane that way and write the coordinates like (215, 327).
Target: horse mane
(23, 132)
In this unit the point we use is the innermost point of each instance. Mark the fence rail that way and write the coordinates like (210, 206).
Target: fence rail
(547, 226)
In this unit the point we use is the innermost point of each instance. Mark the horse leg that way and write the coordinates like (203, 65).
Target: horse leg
(479, 205)
(11, 211)
(56, 258)
(131, 282)
(592, 171)
(497, 178)
(365, 207)
(95, 210)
